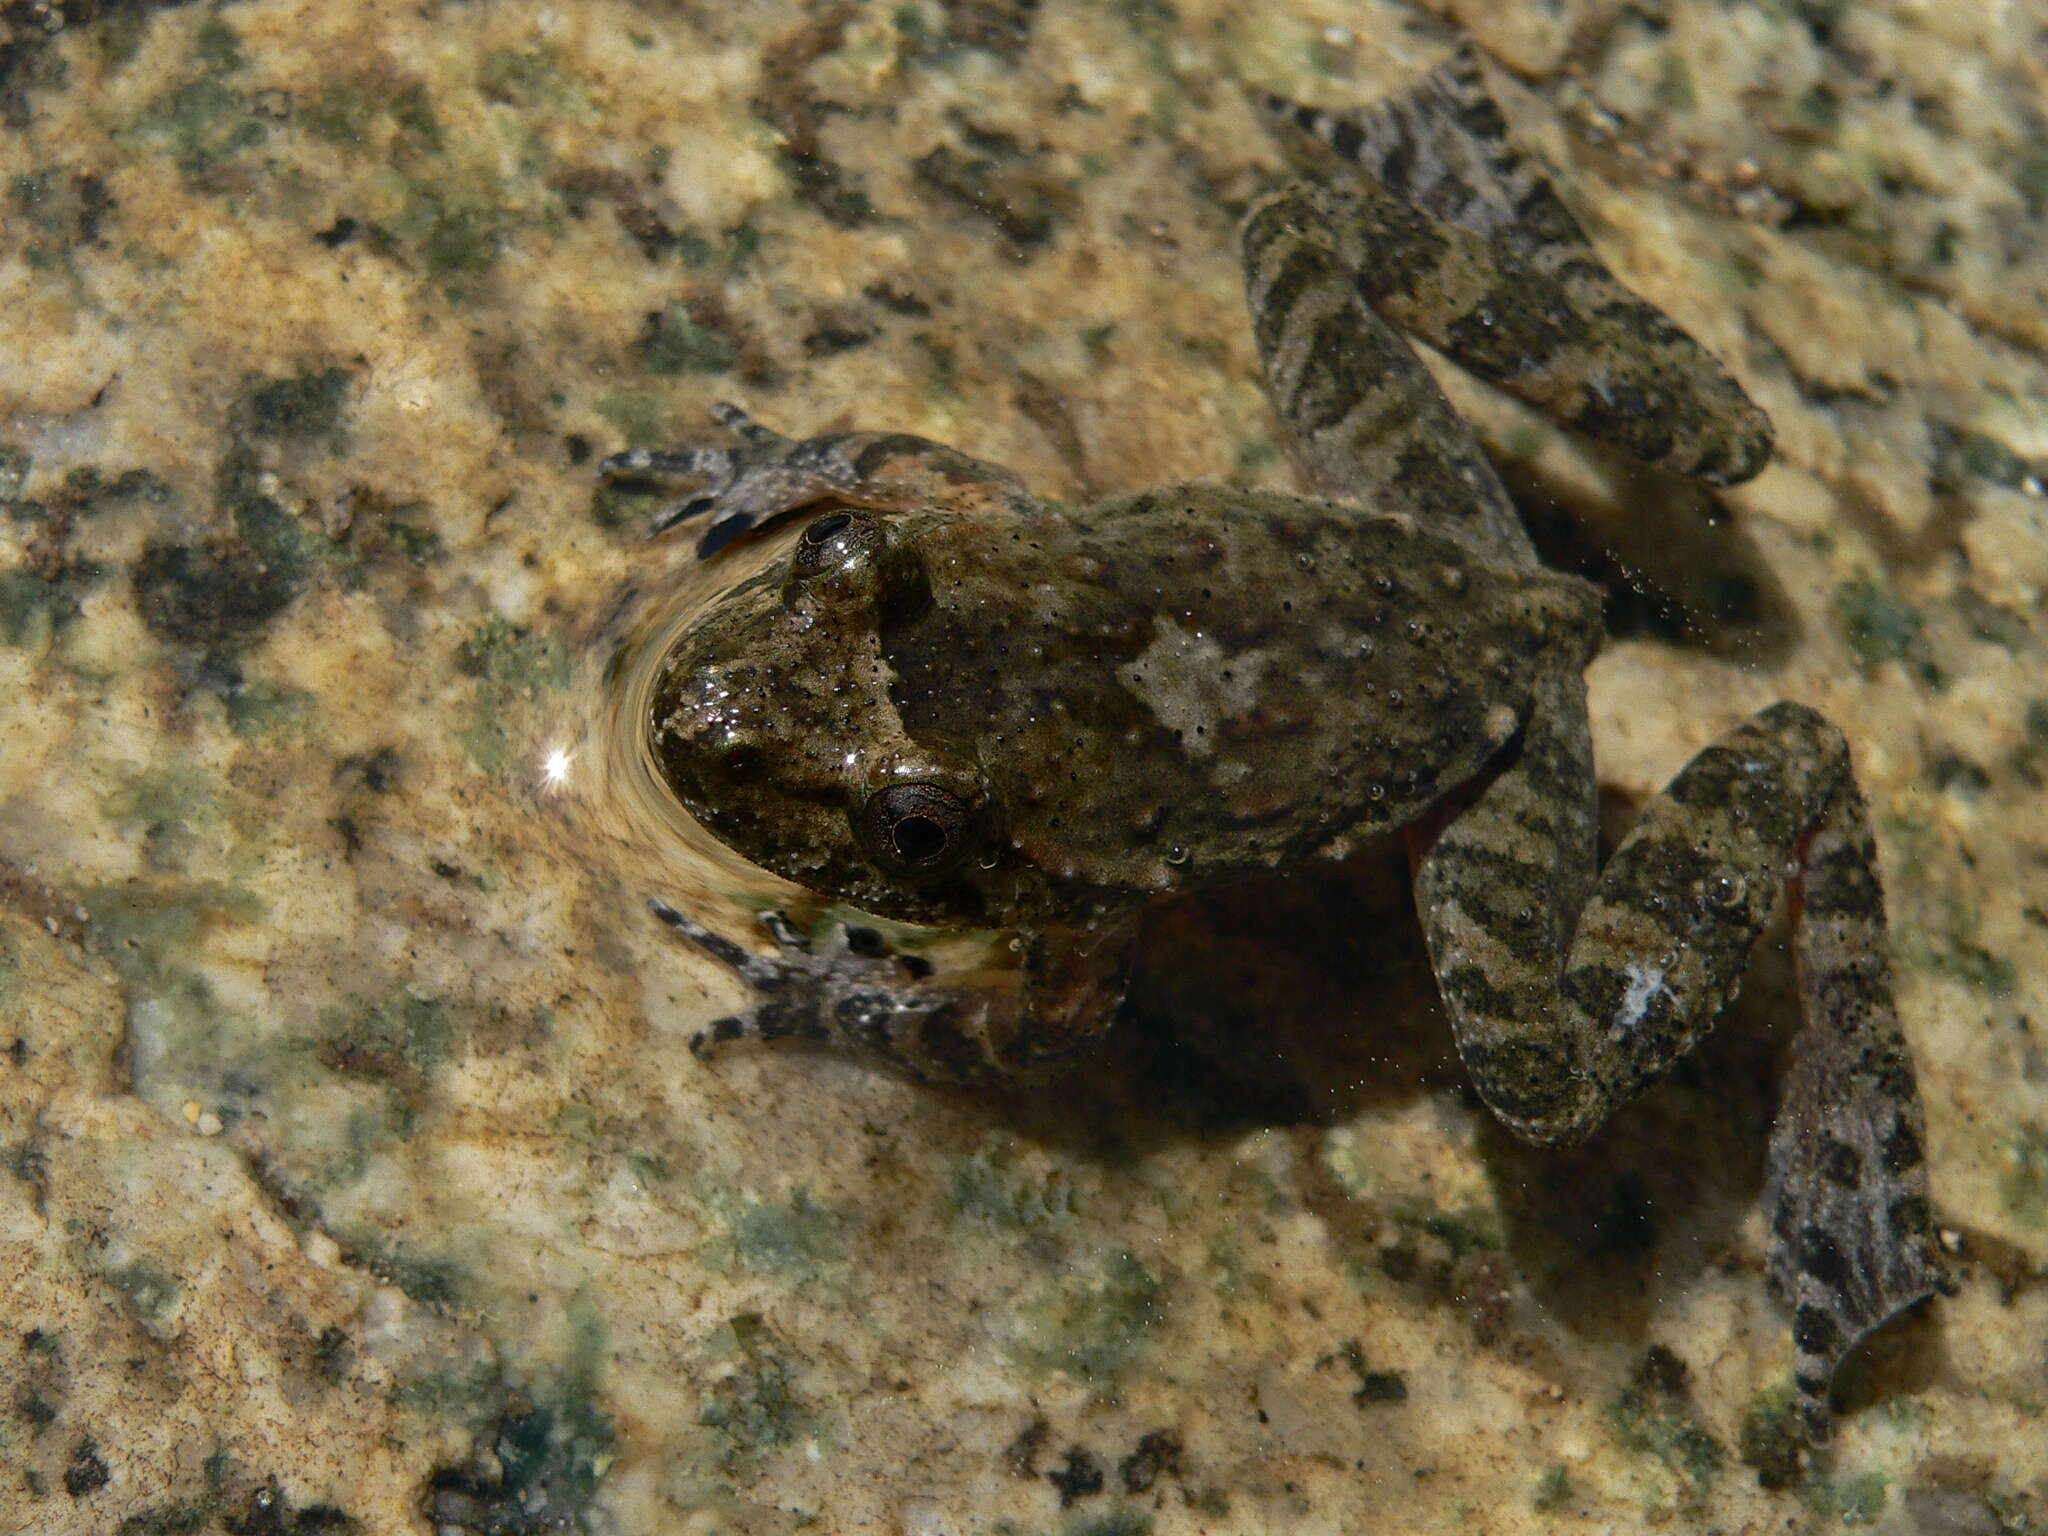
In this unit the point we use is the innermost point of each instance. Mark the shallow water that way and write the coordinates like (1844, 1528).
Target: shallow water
(359, 1158)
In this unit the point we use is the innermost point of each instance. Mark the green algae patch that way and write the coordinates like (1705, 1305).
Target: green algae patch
(301, 407)
(350, 112)
(437, 1283)
(15, 462)
(401, 1038)
(172, 796)
(2023, 1188)
(510, 663)
(792, 1238)
(676, 341)
(151, 1294)
(34, 611)
(552, 1451)
(1653, 1418)
(513, 660)
(209, 126)
(533, 78)
(143, 929)
(755, 1404)
(641, 417)
(1087, 1329)
(1954, 953)
(1849, 1501)
(988, 1188)
(1879, 626)
(1769, 1439)
(1554, 1492)
(257, 710)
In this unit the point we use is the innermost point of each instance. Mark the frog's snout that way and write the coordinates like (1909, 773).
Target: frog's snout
(698, 719)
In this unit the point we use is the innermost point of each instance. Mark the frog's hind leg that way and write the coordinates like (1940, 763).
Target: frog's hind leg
(1559, 1030)
(1465, 243)
(1366, 422)
(761, 475)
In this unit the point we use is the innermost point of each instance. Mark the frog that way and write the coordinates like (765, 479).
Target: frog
(958, 705)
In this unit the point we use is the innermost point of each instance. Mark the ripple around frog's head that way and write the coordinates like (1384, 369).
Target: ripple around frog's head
(592, 775)
(770, 719)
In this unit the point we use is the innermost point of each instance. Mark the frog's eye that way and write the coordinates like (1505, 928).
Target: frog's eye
(918, 831)
(836, 555)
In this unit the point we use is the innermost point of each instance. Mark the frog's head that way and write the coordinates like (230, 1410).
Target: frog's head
(773, 724)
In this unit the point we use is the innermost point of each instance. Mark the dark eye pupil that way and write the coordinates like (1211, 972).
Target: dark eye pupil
(917, 831)
(825, 527)
(917, 838)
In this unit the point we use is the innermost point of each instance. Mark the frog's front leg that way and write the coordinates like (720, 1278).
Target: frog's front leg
(1023, 1025)
(762, 474)
(1560, 1022)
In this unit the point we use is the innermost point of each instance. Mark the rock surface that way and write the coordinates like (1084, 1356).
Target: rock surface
(357, 1175)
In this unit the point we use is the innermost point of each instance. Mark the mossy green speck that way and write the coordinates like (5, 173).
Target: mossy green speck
(792, 1237)
(1091, 1330)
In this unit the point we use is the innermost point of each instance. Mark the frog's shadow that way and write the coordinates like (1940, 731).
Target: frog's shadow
(1307, 1003)
(1674, 563)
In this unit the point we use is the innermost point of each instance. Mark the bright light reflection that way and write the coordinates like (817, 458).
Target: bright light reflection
(554, 768)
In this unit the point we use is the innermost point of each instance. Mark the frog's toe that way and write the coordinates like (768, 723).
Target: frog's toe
(758, 971)
(736, 421)
(785, 933)
(716, 463)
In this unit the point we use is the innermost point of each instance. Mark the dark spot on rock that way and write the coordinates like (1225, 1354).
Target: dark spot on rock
(1910, 1216)
(1157, 1455)
(209, 595)
(1021, 1455)
(898, 301)
(376, 772)
(791, 105)
(307, 405)
(1079, 1478)
(1000, 27)
(87, 1471)
(332, 1354)
(836, 333)
(339, 233)
(1663, 1371)
(1023, 207)
(548, 1463)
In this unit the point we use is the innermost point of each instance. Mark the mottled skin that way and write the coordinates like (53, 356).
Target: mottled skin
(956, 705)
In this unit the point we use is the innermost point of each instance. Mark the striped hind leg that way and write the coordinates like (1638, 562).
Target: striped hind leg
(1557, 1038)
(1457, 237)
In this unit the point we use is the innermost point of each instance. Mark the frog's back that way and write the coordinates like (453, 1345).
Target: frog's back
(1195, 684)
